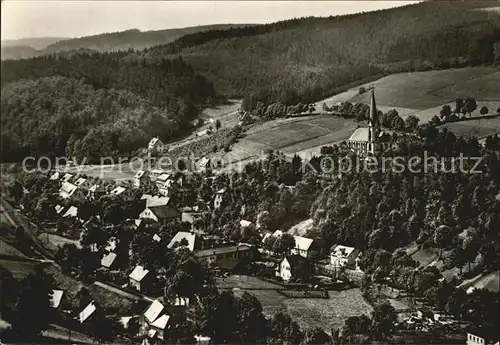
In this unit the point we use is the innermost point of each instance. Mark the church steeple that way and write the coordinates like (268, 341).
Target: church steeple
(373, 125)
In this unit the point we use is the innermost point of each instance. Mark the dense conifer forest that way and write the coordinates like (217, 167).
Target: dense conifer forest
(313, 57)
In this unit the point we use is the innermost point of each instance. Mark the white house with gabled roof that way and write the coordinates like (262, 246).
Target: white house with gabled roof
(139, 177)
(137, 277)
(87, 312)
(304, 247)
(155, 144)
(344, 256)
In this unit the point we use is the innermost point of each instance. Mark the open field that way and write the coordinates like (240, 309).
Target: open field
(308, 312)
(418, 93)
(474, 128)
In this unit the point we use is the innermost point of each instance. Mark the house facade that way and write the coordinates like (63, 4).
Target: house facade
(483, 336)
(159, 213)
(139, 177)
(343, 256)
(139, 278)
(219, 197)
(304, 247)
(69, 190)
(226, 257)
(293, 267)
(155, 145)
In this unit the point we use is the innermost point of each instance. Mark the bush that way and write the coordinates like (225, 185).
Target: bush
(484, 110)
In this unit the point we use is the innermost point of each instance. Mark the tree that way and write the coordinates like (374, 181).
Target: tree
(459, 106)
(357, 325)
(9, 292)
(316, 335)
(442, 237)
(283, 244)
(470, 105)
(284, 328)
(68, 256)
(384, 317)
(412, 121)
(484, 110)
(217, 125)
(16, 190)
(446, 111)
(32, 310)
(251, 321)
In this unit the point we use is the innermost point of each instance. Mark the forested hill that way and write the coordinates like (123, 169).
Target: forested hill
(97, 104)
(314, 56)
(108, 42)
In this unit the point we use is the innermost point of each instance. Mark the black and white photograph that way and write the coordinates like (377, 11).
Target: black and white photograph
(250, 172)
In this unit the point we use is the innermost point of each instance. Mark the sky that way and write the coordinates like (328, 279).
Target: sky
(72, 18)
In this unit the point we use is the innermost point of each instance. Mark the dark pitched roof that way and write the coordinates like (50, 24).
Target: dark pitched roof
(208, 252)
(164, 211)
(296, 260)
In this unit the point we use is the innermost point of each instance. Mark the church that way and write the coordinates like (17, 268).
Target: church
(369, 140)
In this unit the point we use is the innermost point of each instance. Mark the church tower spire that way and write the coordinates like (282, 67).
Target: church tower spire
(373, 125)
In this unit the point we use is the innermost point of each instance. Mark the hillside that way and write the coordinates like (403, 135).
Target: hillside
(310, 58)
(18, 52)
(106, 42)
(96, 104)
(35, 42)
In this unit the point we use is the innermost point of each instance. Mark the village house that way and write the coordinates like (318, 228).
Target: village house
(118, 190)
(164, 182)
(69, 190)
(139, 178)
(155, 146)
(155, 200)
(96, 191)
(87, 312)
(154, 321)
(305, 247)
(294, 267)
(59, 209)
(80, 182)
(226, 257)
(108, 260)
(190, 239)
(203, 165)
(56, 298)
(247, 225)
(204, 132)
(343, 256)
(369, 140)
(66, 177)
(138, 280)
(55, 176)
(71, 212)
(160, 213)
(219, 197)
(154, 173)
(159, 326)
(482, 336)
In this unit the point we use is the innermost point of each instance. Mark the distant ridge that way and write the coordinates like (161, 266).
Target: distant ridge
(105, 42)
(36, 43)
